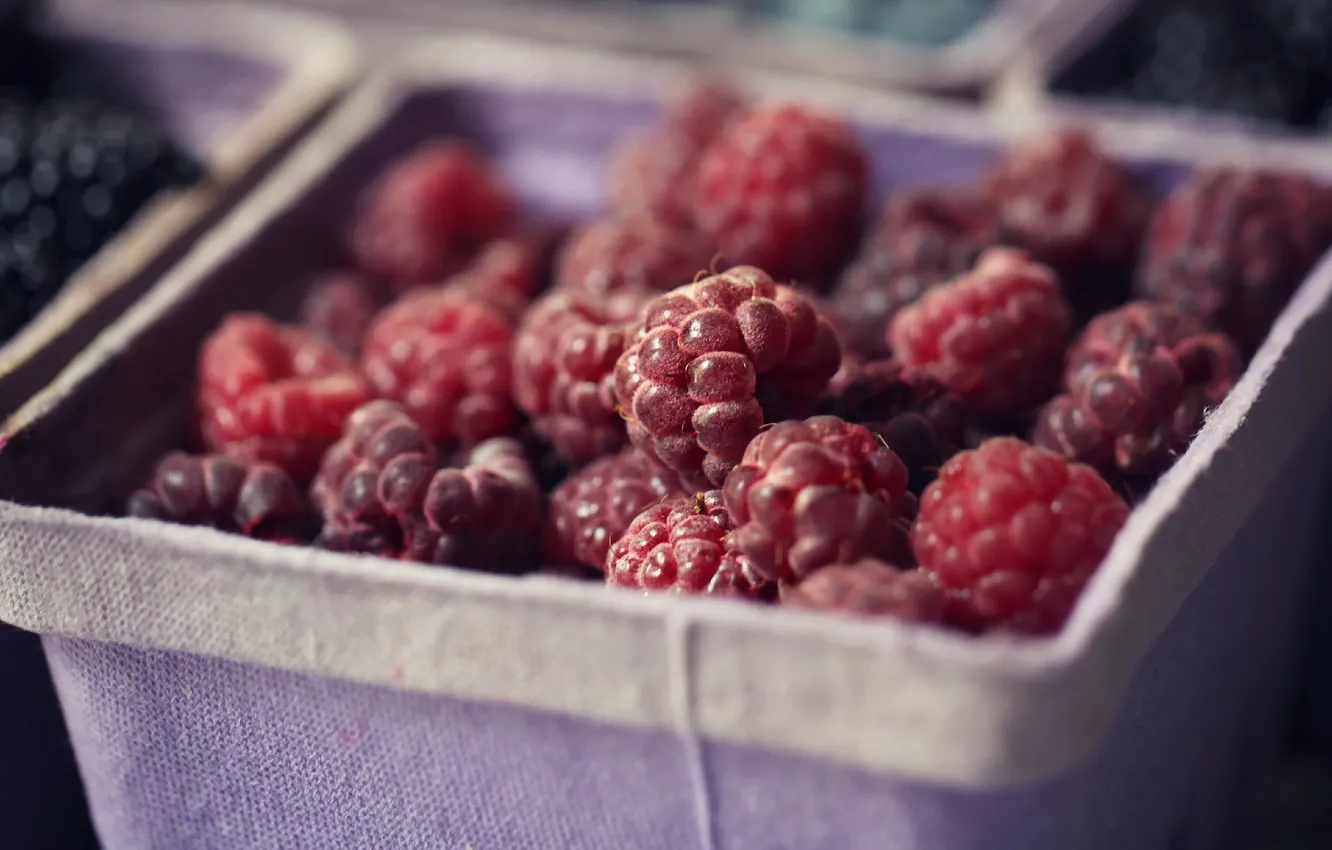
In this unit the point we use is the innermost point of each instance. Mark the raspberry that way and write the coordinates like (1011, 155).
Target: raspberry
(564, 356)
(630, 252)
(926, 237)
(914, 414)
(712, 362)
(1140, 382)
(594, 507)
(1068, 204)
(445, 357)
(381, 493)
(506, 274)
(1012, 533)
(870, 588)
(252, 498)
(339, 307)
(701, 109)
(995, 337)
(1231, 246)
(682, 546)
(275, 394)
(428, 214)
(818, 492)
(783, 188)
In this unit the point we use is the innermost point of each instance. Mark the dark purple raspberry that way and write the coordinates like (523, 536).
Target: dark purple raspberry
(713, 361)
(594, 507)
(916, 416)
(564, 356)
(869, 588)
(1139, 385)
(256, 499)
(683, 546)
(818, 492)
(927, 236)
(1231, 246)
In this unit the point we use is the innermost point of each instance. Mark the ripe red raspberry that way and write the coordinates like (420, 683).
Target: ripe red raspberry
(655, 172)
(916, 416)
(818, 492)
(380, 492)
(1231, 246)
(564, 356)
(445, 357)
(1012, 533)
(1067, 203)
(273, 393)
(339, 307)
(712, 362)
(594, 507)
(1139, 384)
(870, 588)
(927, 236)
(505, 275)
(631, 252)
(252, 498)
(995, 337)
(428, 213)
(682, 546)
(783, 188)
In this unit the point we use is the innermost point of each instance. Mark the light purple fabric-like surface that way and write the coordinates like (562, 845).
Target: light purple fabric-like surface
(199, 95)
(182, 751)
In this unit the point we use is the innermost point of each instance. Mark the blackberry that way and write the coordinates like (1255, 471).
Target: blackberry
(72, 174)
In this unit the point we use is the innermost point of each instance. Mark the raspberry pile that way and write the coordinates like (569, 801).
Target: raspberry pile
(672, 406)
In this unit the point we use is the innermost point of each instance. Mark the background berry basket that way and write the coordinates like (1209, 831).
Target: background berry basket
(957, 46)
(223, 692)
(236, 85)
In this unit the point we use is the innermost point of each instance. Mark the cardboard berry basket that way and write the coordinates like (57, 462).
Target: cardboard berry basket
(825, 38)
(237, 84)
(223, 692)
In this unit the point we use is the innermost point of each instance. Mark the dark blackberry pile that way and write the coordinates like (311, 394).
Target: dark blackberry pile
(74, 171)
(1269, 60)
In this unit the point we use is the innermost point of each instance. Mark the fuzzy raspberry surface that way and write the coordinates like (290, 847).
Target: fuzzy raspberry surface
(681, 546)
(994, 337)
(252, 498)
(428, 214)
(631, 252)
(784, 188)
(564, 356)
(506, 275)
(869, 588)
(818, 492)
(712, 362)
(272, 393)
(1012, 533)
(446, 357)
(339, 306)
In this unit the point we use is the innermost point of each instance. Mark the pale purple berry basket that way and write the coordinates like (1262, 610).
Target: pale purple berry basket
(237, 84)
(226, 693)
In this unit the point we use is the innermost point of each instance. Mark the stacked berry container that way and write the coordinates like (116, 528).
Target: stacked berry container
(1000, 653)
(126, 129)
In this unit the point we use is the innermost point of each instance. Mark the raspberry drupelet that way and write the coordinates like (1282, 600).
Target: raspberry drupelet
(428, 214)
(1231, 246)
(1012, 533)
(445, 356)
(869, 588)
(255, 499)
(1068, 204)
(783, 188)
(916, 416)
(682, 546)
(630, 252)
(339, 306)
(818, 492)
(272, 393)
(927, 236)
(1138, 386)
(712, 362)
(506, 274)
(564, 356)
(995, 337)
(594, 507)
